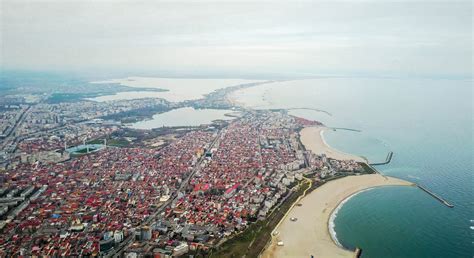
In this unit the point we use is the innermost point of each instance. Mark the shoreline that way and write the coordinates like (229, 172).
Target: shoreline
(333, 216)
(313, 139)
(174, 89)
(313, 233)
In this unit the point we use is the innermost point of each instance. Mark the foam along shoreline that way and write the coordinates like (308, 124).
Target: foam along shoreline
(332, 218)
(311, 233)
(313, 139)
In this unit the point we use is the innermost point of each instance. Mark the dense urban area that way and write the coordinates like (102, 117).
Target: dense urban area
(76, 181)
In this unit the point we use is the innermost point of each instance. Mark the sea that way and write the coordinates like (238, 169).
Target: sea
(428, 124)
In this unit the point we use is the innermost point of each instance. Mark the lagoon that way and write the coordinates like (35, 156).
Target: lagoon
(177, 89)
(187, 116)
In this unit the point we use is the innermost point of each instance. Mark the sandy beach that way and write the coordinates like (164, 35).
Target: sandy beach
(312, 138)
(309, 235)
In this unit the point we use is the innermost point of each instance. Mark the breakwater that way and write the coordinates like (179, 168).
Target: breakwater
(358, 252)
(387, 160)
(443, 201)
(306, 108)
(346, 129)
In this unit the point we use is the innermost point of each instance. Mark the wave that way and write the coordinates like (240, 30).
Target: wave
(414, 177)
(332, 218)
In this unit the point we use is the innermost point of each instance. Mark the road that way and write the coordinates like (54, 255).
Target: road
(8, 140)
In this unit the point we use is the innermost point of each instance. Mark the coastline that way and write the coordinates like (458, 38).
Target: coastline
(313, 139)
(332, 217)
(313, 232)
(174, 89)
(233, 99)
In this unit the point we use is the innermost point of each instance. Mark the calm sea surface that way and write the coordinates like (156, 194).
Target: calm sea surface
(177, 89)
(183, 117)
(428, 124)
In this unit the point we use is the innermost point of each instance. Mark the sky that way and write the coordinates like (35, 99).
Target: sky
(400, 38)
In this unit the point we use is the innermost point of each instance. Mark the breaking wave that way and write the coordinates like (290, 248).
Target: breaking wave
(332, 218)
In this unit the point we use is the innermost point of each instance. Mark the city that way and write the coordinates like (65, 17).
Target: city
(236, 129)
(188, 194)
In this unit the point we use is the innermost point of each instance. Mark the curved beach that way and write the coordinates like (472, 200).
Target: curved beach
(311, 233)
(312, 138)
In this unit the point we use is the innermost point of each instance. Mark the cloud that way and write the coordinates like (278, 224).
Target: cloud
(421, 37)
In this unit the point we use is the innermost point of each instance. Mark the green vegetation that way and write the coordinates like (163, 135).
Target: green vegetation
(96, 141)
(84, 150)
(111, 142)
(118, 142)
(252, 241)
(102, 91)
(70, 97)
(136, 115)
(367, 169)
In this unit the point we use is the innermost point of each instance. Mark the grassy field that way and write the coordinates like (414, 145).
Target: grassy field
(253, 240)
(367, 168)
(111, 142)
(83, 151)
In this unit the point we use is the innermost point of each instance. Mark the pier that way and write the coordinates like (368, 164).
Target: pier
(313, 109)
(387, 160)
(443, 201)
(346, 129)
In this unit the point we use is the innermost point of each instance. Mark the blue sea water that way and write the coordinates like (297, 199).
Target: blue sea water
(428, 124)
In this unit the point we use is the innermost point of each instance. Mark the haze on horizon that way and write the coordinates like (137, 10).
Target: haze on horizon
(420, 38)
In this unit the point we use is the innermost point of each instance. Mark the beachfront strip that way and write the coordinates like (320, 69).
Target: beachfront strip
(188, 196)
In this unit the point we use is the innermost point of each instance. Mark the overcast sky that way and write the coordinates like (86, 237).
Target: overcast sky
(293, 37)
